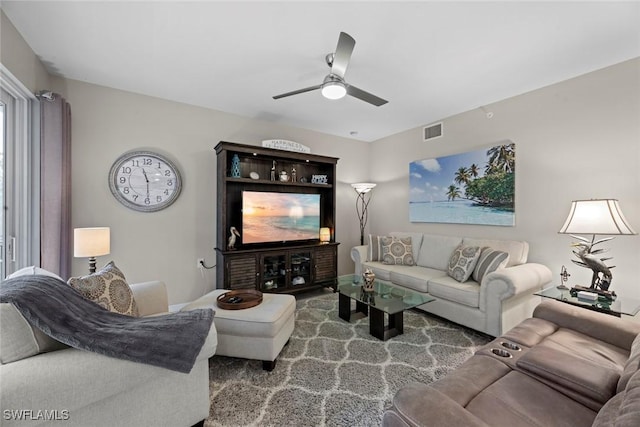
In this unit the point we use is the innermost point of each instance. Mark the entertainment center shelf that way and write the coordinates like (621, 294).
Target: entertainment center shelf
(270, 255)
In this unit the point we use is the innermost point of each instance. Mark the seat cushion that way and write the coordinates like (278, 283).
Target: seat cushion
(519, 400)
(416, 278)
(448, 288)
(264, 320)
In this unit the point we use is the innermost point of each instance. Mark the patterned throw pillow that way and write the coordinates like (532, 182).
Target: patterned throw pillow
(462, 262)
(108, 288)
(397, 251)
(490, 260)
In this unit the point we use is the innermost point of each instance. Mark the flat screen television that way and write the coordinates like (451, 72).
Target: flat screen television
(269, 217)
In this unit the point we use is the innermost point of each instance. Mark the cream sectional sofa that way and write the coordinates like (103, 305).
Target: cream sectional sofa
(503, 299)
(47, 383)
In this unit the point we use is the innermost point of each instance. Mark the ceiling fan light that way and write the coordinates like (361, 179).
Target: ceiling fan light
(333, 90)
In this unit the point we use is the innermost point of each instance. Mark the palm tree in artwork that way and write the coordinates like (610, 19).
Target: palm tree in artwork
(502, 158)
(463, 176)
(473, 170)
(452, 192)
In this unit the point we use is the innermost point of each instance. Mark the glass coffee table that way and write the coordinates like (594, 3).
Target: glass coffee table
(616, 307)
(385, 298)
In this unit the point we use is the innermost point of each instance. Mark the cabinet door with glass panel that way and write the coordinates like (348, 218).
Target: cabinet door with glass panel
(300, 269)
(274, 272)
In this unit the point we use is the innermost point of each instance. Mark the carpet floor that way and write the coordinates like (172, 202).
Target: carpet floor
(333, 373)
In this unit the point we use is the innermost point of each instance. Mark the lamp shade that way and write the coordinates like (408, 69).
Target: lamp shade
(325, 234)
(596, 216)
(91, 242)
(363, 187)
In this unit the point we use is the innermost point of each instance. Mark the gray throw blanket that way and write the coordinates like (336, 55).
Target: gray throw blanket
(171, 341)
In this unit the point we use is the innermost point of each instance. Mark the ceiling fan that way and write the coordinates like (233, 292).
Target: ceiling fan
(334, 86)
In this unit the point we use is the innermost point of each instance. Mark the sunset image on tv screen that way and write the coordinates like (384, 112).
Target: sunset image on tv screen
(279, 217)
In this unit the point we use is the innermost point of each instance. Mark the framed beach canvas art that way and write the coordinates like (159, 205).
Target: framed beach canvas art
(477, 187)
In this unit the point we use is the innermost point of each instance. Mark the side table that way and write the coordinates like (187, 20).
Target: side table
(617, 307)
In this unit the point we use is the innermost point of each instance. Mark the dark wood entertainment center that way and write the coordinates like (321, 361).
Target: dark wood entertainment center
(288, 266)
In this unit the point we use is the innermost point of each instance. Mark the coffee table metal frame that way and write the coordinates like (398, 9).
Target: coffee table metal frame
(385, 298)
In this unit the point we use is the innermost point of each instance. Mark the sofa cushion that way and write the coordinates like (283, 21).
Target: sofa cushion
(489, 260)
(584, 380)
(18, 338)
(397, 251)
(518, 400)
(623, 410)
(462, 262)
(632, 366)
(108, 288)
(414, 278)
(435, 251)
(445, 287)
(416, 241)
(518, 250)
(382, 272)
(531, 331)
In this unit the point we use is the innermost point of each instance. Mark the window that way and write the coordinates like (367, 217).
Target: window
(19, 176)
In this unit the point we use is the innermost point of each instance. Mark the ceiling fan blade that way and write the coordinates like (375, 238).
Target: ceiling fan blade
(296, 92)
(342, 55)
(365, 96)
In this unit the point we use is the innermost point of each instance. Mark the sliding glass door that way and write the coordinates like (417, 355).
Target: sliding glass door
(19, 176)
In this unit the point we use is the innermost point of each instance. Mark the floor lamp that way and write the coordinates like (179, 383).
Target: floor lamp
(362, 201)
(91, 242)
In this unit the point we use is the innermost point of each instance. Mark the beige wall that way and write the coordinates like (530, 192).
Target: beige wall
(20, 60)
(166, 244)
(577, 139)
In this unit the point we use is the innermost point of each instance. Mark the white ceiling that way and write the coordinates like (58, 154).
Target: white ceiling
(430, 60)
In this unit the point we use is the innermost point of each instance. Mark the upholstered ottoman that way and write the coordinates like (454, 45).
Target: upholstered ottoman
(257, 333)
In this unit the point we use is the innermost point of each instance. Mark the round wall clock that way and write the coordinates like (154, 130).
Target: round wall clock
(144, 181)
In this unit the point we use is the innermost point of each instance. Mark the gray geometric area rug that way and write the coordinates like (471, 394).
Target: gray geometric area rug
(333, 373)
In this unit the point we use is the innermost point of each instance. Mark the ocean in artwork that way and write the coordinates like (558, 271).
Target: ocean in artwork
(279, 228)
(460, 212)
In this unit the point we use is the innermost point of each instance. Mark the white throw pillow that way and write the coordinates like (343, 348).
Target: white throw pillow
(32, 271)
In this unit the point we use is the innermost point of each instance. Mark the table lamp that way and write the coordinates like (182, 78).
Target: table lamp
(325, 235)
(595, 217)
(91, 242)
(362, 188)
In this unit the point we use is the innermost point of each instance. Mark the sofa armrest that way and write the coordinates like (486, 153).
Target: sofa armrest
(420, 405)
(151, 297)
(359, 255)
(519, 279)
(604, 327)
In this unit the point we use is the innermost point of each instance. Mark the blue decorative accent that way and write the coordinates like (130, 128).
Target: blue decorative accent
(235, 166)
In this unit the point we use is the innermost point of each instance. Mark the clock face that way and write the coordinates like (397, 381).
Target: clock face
(144, 181)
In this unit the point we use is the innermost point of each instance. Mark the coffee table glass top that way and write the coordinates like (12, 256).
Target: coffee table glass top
(621, 305)
(385, 297)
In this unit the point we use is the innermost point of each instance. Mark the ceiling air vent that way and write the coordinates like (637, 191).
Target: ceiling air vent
(432, 131)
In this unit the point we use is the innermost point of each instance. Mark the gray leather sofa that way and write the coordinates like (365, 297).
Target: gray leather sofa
(503, 299)
(51, 384)
(565, 366)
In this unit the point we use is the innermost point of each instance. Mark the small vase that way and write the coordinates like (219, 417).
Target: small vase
(369, 279)
(235, 166)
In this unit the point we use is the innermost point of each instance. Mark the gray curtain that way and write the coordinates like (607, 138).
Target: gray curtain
(55, 184)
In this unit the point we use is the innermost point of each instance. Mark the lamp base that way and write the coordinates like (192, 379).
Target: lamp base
(610, 295)
(92, 265)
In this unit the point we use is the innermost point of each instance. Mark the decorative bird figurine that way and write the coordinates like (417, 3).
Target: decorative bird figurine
(588, 259)
(231, 244)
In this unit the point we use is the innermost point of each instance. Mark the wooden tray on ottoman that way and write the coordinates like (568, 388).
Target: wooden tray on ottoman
(239, 299)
